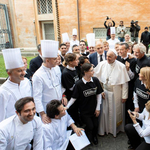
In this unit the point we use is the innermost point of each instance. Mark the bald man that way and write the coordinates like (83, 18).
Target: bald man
(99, 55)
(114, 77)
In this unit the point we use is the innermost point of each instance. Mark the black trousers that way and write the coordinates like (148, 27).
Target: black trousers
(91, 128)
(135, 139)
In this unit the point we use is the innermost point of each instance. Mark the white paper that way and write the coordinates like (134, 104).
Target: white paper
(79, 142)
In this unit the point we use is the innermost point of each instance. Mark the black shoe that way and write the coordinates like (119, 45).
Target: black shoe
(131, 148)
(95, 140)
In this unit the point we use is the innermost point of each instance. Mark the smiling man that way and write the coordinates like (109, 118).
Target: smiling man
(16, 86)
(114, 77)
(17, 131)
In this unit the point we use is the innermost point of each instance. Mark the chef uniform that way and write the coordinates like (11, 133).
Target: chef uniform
(46, 81)
(110, 41)
(14, 135)
(65, 39)
(72, 42)
(55, 134)
(10, 92)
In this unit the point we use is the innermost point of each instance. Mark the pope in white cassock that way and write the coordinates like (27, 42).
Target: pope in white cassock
(16, 86)
(47, 79)
(114, 77)
(17, 131)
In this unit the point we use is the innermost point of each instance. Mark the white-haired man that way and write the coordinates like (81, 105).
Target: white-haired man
(114, 77)
(142, 59)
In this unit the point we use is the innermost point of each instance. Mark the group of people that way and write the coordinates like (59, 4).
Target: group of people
(122, 32)
(88, 91)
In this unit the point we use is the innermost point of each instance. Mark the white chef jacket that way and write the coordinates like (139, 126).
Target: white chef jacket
(112, 43)
(10, 92)
(55, 133)
(76, 42)
(46, 86)
(145, 130)
(14, 135)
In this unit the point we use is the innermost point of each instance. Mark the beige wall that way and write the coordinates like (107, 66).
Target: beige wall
(92, 14)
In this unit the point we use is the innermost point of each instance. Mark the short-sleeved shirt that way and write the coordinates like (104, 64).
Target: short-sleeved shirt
(69, 78)
(86, 95)
(143, 62)
(142, 94)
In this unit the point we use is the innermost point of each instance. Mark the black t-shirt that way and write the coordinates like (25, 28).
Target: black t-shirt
(143, 62)
(142, 94)
(86, 95)
(69, 78)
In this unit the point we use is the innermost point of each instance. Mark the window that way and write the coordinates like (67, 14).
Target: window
(44, 6)
(100, 33)
(48, 31)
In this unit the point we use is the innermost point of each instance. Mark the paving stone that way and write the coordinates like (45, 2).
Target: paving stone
(108, 142)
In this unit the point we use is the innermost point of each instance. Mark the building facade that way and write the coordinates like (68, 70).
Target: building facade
(34, 20)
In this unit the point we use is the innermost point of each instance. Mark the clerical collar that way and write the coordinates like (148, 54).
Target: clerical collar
(84, 81)
(125, 57)
(70, 68)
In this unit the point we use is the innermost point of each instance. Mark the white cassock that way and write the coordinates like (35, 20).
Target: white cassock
(55, 134)
(115, 82)
(76, 42)
(14, 135)
(10, 92)
(112, 43)
(46, 86)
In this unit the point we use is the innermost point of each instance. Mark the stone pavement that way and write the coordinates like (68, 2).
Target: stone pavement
(108, 142)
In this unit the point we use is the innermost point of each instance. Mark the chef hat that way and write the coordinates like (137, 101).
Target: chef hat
(12, 58)
(91, 39)
(74, 32)
(114, 51)
(65, 37)
(49, 48)
(112, 30)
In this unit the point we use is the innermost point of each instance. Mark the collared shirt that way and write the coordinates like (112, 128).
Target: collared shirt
(84, 81)
(98, 57)
(70, 68)
(46, 86)
(10, 92)
(14, 135)
(55, 133)
(144, 132)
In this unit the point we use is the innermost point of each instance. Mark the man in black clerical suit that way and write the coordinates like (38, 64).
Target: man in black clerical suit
(36, 62)
(130, 66)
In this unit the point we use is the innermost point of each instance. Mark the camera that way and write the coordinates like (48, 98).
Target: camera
(107, 18)
(132, 22)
